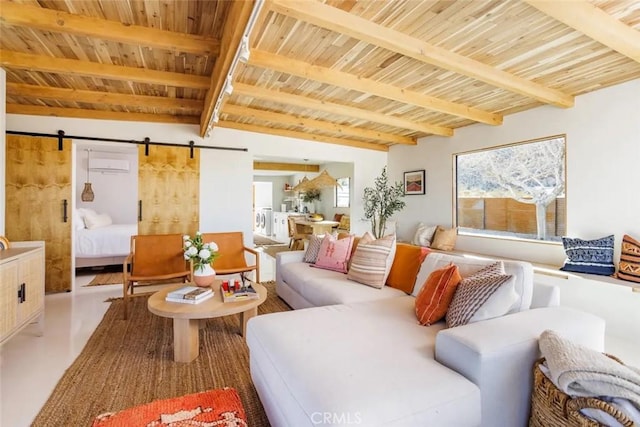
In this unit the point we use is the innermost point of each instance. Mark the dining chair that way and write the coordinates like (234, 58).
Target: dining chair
(297, 234)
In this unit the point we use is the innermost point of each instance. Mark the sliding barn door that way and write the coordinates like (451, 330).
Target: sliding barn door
(38, 206)
(168, 188)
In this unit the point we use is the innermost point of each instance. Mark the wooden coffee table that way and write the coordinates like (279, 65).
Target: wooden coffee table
(188, 317)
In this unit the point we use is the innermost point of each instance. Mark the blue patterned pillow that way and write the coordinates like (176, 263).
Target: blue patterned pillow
(589, 256)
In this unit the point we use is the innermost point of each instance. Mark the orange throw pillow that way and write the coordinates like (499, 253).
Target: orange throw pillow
(435, 296)
(406, 266)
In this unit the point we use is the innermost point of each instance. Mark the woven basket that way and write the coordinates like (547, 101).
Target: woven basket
(552, 407)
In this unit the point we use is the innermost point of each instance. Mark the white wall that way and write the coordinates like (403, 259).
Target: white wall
(603, 154)
(116, 193)
(603, 157)
(225, 193)
(328, 195)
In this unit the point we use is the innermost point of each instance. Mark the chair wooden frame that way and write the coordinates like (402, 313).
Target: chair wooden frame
(158, 257)
(297, 234)
(232, 252)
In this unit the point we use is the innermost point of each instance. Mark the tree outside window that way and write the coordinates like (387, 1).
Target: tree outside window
(513, 191)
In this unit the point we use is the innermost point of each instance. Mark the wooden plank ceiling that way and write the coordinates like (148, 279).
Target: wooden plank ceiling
(363, 73)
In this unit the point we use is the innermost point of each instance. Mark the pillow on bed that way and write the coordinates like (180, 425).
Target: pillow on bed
(78, 221)
(97, 220)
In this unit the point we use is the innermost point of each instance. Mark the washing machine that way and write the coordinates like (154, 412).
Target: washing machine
(264, 221)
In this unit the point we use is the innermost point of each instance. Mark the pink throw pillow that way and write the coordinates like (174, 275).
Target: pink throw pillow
(334, 254)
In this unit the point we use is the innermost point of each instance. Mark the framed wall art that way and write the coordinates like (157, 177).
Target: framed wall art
(414, 182)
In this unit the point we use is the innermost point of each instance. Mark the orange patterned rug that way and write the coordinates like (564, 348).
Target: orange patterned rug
(210, 408)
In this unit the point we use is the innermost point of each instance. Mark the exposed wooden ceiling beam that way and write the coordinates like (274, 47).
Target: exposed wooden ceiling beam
(342, 22)
(236, 22)
(289, 120)
(40, 110)
(594, 23)
(348, 81)
(293, 167)
(339, 109)
(57, 21)
(27, 61)
(95, 97)
(301, 135)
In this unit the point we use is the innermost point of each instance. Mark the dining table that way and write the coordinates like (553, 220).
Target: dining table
(318, 227)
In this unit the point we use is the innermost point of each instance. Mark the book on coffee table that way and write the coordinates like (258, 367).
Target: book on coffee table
(189, 301)
(190, 293)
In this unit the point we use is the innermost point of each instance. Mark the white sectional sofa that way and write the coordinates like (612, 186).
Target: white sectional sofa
(356, 355)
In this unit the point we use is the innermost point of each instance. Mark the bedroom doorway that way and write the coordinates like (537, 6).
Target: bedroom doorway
(104, 225)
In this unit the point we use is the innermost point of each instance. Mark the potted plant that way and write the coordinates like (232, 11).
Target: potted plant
(311, 195)
(381, 202)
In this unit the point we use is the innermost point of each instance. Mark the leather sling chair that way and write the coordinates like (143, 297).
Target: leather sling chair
(232, 254)
(156, 257)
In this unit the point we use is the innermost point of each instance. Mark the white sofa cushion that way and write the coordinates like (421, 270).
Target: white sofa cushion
(370, 360)
(522, 271)
(326, 287)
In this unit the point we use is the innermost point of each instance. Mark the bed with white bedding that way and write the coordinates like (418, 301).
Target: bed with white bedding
(103, 245)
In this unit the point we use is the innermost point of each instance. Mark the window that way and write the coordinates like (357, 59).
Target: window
(342, 193)
(513, 191)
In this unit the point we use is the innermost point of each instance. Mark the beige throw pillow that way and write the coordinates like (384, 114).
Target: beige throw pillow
(424, 235)
(372, 260)
(444, 239)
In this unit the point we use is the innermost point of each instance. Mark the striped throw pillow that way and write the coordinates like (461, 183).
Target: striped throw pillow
(372, 260)
(474, 291)
(311, 255)
(629, 266)
(589, 256)
(435, 296)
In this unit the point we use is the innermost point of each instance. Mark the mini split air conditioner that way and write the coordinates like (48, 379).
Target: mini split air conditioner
(108, 165)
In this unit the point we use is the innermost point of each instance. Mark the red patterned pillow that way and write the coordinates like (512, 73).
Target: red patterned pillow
(334, 254)
(211, 407)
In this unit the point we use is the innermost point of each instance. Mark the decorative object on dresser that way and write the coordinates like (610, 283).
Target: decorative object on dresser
(21, 288)
(4, 243)
(414, 182)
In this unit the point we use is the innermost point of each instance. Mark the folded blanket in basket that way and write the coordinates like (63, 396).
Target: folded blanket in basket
(581, 371)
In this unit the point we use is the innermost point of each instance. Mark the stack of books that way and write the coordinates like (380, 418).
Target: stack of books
(189, 295)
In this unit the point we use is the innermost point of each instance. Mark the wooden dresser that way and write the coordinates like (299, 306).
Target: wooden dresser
(21, 288)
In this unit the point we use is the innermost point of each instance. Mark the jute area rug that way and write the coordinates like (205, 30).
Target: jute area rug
(106, 279)
(259, 240)
(130, 362)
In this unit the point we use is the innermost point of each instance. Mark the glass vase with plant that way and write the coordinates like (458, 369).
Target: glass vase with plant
(381, 201)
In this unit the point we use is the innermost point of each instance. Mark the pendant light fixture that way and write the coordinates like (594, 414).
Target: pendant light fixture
(87, 193)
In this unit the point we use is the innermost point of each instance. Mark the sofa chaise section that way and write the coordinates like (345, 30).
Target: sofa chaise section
(368, 362)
